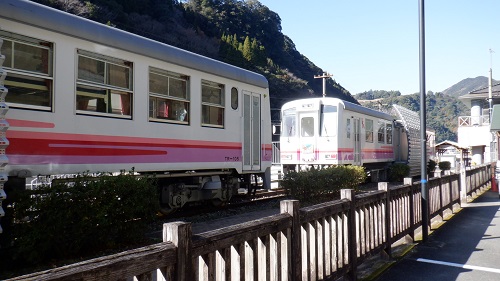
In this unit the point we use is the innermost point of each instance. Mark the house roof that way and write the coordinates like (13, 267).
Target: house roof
(483, 93)
(450, 143)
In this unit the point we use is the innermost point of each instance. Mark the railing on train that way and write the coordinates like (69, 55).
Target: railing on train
(276, 153)
(324, 241)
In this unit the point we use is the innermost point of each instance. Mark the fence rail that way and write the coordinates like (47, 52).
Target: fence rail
(468, 121)
(320, 242)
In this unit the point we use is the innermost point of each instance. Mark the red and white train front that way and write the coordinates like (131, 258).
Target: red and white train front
(330, 131)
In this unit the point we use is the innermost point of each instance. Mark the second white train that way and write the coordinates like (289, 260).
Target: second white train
(330, 131)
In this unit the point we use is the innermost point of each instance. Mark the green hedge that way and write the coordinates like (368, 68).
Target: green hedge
(323, 184)
(398, 171)
(81, 217)
(444, 165)
(431, 166)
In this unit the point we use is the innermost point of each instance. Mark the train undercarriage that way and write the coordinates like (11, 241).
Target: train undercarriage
(178, 189)
(216, 188)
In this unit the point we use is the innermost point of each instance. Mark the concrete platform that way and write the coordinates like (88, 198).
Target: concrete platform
(466, 247)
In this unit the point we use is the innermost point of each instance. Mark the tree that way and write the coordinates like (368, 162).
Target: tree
(247, 49)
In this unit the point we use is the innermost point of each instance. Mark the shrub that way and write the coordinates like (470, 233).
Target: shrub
(444, 165)
(398, 171)
(81, 217)
(431, 167)
(323, 184)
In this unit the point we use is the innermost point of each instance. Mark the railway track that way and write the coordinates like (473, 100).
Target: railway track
(242, 203)
(241, 200)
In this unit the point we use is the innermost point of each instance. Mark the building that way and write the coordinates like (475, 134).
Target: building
(474, 131)
(495, 124)
(454, 153)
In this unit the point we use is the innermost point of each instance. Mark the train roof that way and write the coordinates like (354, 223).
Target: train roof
(52, 19)
(346, 105)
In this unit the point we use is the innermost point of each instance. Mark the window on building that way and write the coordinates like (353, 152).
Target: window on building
(29, 67)
(168, 96)
(381, 132)
(388, 132)
(212, 104)
(369, 130)
(104, 85)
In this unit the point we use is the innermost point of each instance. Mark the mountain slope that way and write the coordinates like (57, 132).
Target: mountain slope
(442, 110)
(467, 85)
(243, 33)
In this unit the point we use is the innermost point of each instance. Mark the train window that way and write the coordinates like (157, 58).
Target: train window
(168, 96)
(369, 130)
(212, 104)
(104, 85)
(234, 98)
(328, 121)
(28, 65)
(381, 132)
(388, 132)
(348, 128)
(289, 123)
(307, 127)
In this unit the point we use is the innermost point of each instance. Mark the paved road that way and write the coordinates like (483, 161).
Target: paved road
(465, 248)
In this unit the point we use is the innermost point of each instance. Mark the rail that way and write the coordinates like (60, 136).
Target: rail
(276, 153)
(324, 241)
(468, 121)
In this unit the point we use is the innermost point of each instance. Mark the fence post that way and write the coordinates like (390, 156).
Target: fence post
(387, 219)
(440, 197)
(180, 234)
(463, 186)
(411, 206)
(292, 207)
(351, 231)
(450, 192)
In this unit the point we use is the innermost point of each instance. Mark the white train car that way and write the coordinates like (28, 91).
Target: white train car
(330, 131)
(83, 96)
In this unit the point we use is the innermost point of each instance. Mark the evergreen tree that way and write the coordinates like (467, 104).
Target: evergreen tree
(247, 49)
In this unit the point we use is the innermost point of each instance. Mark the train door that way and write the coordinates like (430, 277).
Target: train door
(307, 137)
(357, 142)
(251, 131)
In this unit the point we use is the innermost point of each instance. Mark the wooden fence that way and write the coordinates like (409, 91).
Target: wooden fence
(320, 242)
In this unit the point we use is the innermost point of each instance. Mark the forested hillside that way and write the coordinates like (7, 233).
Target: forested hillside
(468, 85)
(442, 110)
(247, 34)
(243, 33)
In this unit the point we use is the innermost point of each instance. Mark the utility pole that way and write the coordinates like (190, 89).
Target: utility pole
(423, 129)
(493, 142)
(490, 95)
(324, 76)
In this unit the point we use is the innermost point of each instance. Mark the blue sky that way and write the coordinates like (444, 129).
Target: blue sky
(374, 45)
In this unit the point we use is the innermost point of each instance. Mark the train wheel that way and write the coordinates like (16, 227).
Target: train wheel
(167, 210)
(218, 202)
